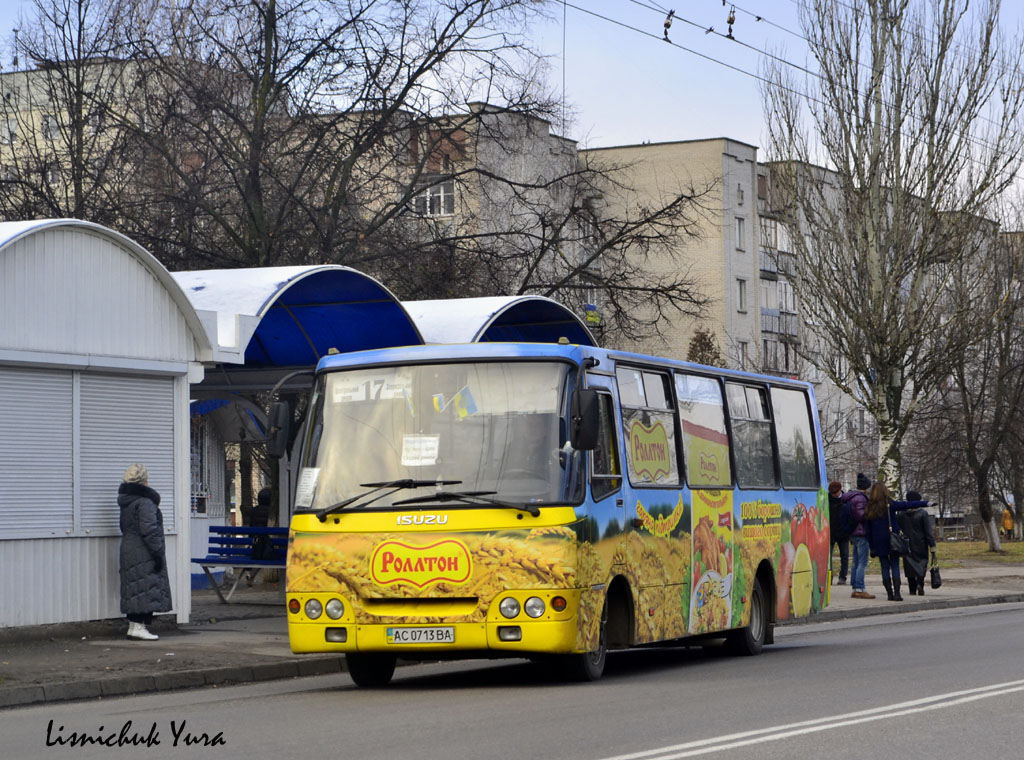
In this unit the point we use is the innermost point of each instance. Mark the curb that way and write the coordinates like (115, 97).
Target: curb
(18, 696)
(829, 616)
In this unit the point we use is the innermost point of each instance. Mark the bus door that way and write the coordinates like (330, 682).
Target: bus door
(606, 507)
(656, 548)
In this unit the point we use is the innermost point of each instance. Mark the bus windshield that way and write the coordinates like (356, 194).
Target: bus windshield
(496, 427)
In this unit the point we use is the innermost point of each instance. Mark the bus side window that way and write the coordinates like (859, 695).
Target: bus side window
(793, 431)
(605, 475)
(705, 437)
(751, 436)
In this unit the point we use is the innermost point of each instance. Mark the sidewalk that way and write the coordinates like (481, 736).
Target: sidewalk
(247, 640)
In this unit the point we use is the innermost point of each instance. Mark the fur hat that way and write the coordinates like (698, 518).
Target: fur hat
(914, 496)
(136, 473)
(863, 483)
(835, 488)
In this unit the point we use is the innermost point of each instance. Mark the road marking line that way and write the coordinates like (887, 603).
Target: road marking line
(775, 733)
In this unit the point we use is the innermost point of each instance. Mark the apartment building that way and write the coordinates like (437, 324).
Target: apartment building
(725, 261)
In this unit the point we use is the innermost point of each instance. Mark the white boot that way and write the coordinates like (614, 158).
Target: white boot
(140, 632)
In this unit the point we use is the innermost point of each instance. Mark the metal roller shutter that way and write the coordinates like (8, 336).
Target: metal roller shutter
(124, 420)
(35, 452)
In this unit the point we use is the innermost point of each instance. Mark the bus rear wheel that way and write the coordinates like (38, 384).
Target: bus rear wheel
(589, 666)
(370, 669)
(750, 640)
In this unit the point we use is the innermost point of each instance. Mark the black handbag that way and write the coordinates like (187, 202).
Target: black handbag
(936, 578)
(898, 544)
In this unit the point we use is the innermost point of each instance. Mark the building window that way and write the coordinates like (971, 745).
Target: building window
(740, 234)
(771, 354)
(739, 195)
(51, 130)
(8, 131)
(743, 351)
(96, 122)
(437, 199)
(762, 187)
(787, 299)
(768, 236)
(741, 295)
(769, 294)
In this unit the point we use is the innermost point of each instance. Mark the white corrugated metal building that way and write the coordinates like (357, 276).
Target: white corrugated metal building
(98, 346)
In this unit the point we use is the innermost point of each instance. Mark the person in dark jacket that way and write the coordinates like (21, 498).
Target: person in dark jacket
(837, 532)
(916, 523)
(880, 525)
(259, 515)
(858, 500)
(145, 588)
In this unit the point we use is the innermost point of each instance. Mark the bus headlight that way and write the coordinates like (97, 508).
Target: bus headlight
(534, 606)
(335, 609)
(314, 609)
(509, 607)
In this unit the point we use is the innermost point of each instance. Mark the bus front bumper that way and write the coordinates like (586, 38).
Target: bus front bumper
(530, 636)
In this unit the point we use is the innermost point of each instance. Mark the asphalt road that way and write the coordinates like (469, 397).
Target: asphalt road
(943, 684)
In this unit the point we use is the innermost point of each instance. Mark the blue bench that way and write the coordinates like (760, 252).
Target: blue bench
(233, 546)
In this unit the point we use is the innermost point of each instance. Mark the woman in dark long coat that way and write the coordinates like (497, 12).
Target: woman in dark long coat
(916, 524)
(881, 521)
(145, 588)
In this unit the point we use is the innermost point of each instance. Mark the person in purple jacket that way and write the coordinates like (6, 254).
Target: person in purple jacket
(858, 503)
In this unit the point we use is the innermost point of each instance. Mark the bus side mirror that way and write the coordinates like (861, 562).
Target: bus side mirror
(584, 422)
(277, 436)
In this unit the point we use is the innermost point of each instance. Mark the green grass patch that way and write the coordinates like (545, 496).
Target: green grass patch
(962, 553)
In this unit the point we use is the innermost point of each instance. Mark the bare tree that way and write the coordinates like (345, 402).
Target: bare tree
(987, 374)
(913, 131)
(62, 152)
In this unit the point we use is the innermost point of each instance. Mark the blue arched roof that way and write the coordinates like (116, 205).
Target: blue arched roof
(528, 319)
(292, 316)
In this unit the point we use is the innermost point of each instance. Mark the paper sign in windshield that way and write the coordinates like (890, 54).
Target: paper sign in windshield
(420, 450)
(307, 486)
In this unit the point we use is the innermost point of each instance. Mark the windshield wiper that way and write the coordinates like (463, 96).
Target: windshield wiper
(395, 485)
(467, 497)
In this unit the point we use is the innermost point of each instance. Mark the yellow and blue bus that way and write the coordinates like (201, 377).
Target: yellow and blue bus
(549, 501)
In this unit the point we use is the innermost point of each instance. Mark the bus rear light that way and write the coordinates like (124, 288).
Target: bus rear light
(510, 633)
(294, 606)
(336, 635)
(558, 604)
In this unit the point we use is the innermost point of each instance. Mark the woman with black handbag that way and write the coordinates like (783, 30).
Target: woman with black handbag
(916, 524)
(880, 527)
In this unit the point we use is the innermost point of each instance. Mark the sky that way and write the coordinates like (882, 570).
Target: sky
(622, 83)
(628, 85)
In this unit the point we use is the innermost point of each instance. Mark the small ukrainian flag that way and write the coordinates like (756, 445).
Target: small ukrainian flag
(439, 402)
(465, 404)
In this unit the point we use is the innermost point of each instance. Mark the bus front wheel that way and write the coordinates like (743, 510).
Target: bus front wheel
(751, 639)
(589, 666)
(370, 669)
